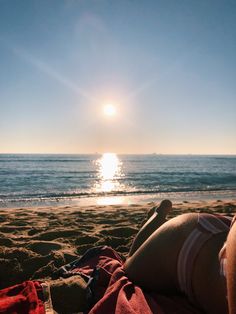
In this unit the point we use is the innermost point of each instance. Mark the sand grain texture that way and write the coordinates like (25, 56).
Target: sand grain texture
(36, 241)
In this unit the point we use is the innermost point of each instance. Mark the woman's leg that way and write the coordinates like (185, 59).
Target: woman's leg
(231, 269)
(153, 259)
(153, 223)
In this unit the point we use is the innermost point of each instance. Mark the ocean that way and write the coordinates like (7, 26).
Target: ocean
(40, 180)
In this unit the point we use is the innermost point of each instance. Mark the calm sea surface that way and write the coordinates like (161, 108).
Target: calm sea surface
(28, 180)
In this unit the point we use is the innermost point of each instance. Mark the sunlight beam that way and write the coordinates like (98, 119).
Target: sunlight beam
(50, 72)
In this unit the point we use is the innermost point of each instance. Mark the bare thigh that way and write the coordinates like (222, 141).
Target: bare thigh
(209, 287)
(153, 265)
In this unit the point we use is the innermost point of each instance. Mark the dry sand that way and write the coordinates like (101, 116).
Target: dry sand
(36, 241)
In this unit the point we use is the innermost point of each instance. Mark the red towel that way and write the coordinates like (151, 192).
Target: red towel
(25, 298)
(117, 295)
(114, 293)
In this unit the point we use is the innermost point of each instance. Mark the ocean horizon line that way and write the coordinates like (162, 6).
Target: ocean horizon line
(112, 152)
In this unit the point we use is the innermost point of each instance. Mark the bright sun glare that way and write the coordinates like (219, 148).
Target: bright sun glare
(109, 167)
(109, 110)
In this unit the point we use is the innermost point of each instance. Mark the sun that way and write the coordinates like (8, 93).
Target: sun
(109, 110)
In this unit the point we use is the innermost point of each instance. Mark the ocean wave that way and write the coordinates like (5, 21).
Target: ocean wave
(93, 200)
(53, 177)
(55, 196)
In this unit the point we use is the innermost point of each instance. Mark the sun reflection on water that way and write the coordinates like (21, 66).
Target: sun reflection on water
(110, 170)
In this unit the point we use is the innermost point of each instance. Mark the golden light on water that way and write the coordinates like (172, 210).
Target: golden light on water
(109, 168)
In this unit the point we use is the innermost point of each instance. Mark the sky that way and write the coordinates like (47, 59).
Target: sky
(168, 67)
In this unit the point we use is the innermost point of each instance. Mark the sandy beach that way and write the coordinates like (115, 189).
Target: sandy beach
(36, 241)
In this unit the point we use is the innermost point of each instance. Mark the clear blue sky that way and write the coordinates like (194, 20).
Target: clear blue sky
(169, 67)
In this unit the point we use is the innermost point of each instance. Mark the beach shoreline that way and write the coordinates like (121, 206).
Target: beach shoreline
(120, 199)
(36, 241)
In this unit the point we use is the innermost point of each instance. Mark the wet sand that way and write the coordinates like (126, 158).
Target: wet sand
(34, 242)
